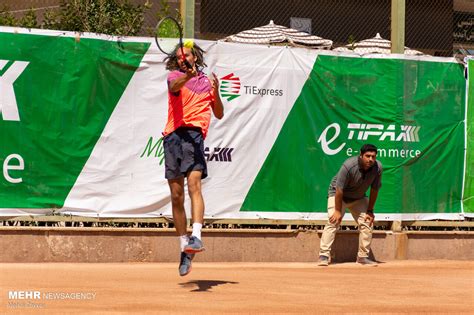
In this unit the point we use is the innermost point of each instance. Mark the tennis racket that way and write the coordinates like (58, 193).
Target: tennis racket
(168, 36)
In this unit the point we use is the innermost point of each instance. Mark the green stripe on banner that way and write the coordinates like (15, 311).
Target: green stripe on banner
(65, 95)
(413, 111)
(469, 181)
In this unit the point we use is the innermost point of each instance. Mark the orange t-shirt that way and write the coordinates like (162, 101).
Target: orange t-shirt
(191, 106)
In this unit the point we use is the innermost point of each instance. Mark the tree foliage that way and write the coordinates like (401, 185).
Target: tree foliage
(165, 10)
(6, 17)
(29, 20)
(113, 17)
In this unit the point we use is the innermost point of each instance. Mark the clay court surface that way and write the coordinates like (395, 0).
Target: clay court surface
(415, 287)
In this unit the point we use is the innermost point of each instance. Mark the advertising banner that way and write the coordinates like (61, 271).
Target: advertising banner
(82, 117)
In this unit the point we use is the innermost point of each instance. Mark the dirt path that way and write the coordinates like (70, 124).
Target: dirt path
(416, 287)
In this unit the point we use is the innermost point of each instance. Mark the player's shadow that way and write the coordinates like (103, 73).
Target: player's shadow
(204, 285)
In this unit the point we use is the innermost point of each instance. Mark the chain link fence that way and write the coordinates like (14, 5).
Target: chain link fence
(435, 27)
(463, 32)
(429, 24)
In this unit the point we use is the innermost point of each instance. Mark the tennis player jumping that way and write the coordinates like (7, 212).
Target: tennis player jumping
(192, 96)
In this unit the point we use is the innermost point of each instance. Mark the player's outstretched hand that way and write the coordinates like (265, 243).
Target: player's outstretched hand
(215, 82)
(191, 72)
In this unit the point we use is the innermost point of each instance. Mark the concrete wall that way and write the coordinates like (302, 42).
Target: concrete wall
(151, 245)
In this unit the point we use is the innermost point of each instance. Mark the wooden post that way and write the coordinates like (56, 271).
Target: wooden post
(396, 226)
(187, 14)
(401, 246)
(398, 27)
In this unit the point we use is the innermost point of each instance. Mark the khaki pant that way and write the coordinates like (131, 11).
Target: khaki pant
(357, 209)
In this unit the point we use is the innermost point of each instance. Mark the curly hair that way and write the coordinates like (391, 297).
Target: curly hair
(172, 60)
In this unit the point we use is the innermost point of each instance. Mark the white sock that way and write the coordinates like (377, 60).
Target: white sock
(197, 230)
(183, 241)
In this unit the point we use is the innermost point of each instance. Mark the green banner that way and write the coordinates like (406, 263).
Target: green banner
(60, 93)
(413, 111)
(469, 181)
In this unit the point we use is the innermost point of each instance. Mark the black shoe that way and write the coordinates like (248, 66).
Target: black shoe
(324, 261)
(366, 261)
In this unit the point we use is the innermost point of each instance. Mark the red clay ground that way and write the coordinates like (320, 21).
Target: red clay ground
(416, 287)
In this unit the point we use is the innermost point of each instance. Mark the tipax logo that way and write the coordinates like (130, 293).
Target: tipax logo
(218, 154)
(364, 132)
(9, 72)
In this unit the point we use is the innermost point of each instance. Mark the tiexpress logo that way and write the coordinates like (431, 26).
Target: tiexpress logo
(230, 87)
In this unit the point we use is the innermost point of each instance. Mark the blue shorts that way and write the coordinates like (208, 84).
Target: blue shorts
(184, 152)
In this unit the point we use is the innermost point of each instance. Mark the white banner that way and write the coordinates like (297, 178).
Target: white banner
(124, 177)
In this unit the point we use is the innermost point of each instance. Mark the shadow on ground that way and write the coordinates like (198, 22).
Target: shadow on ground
(204, 285)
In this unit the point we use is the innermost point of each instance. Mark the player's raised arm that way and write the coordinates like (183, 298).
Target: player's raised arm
(217, 107)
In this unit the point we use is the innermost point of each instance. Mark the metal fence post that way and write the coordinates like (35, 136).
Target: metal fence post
(398, 27)
(187, 13)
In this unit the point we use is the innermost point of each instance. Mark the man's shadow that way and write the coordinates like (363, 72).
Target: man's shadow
(204, 285)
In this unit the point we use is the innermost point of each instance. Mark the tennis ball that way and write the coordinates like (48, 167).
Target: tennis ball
(188, 43)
